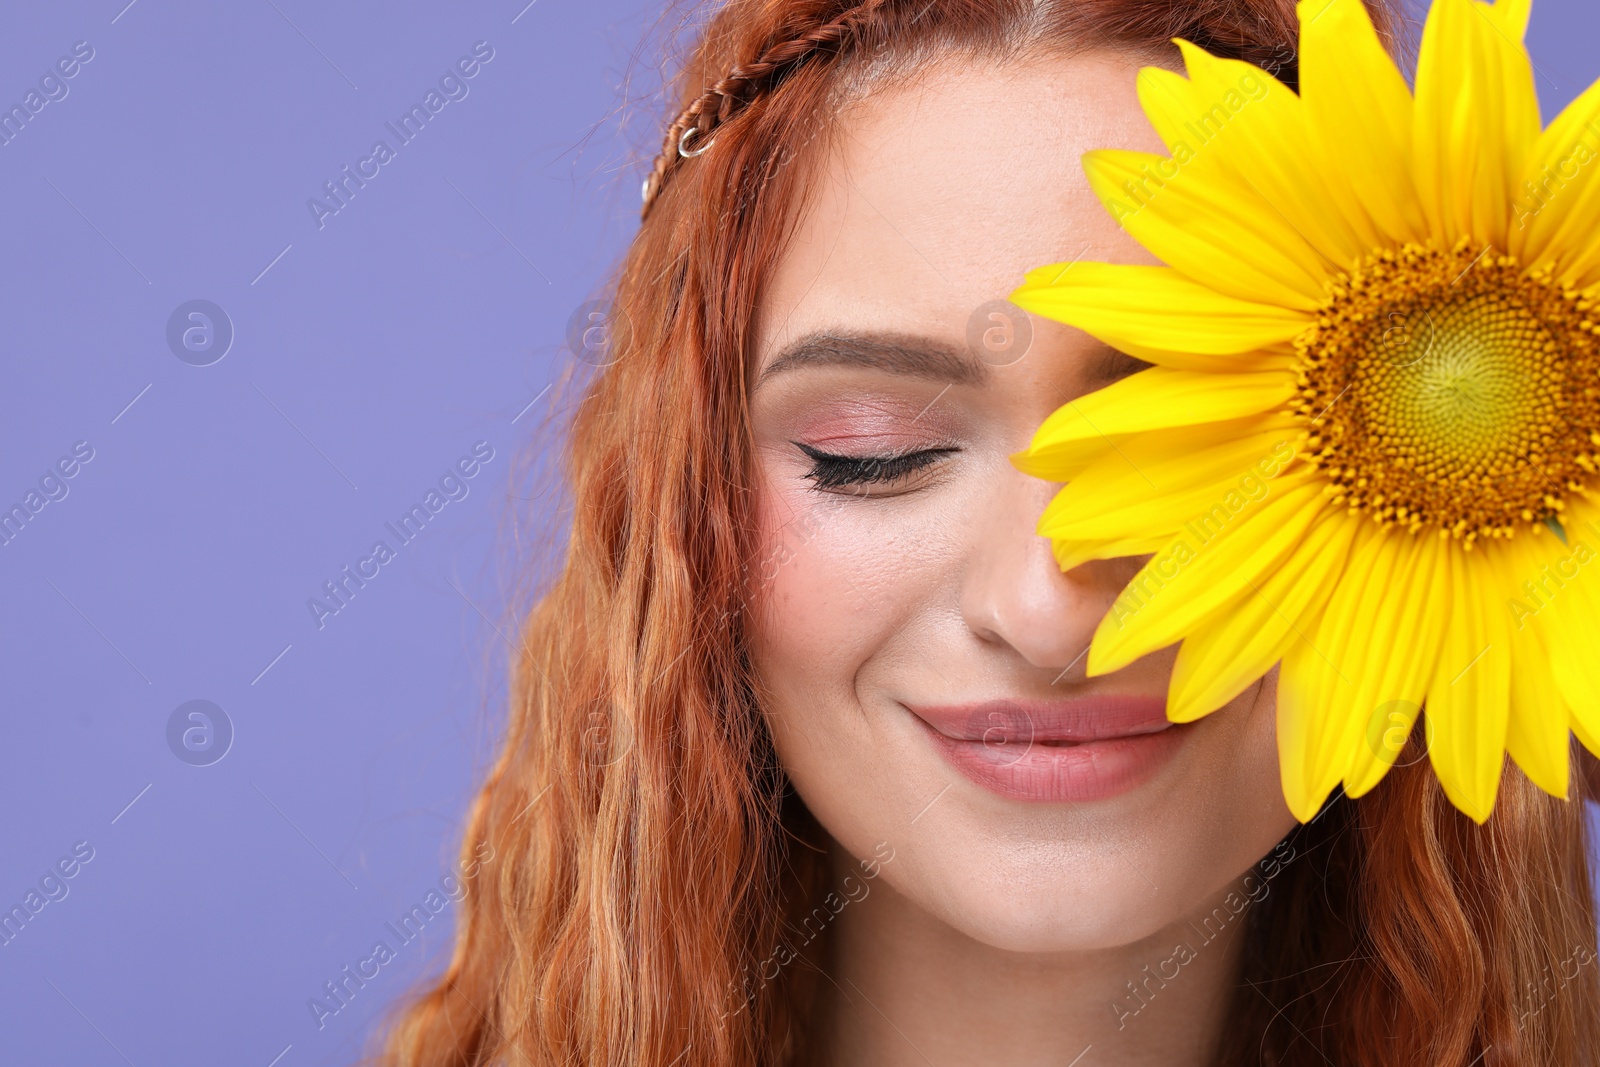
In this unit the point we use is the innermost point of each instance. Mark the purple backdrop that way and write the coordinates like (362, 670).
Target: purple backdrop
(221, 397)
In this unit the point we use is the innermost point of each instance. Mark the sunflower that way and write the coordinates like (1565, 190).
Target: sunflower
(1367, 447)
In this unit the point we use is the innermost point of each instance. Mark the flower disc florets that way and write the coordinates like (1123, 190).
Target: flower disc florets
(1452, 390)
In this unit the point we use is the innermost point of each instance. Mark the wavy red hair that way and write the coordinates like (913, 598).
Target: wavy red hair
(648, 854)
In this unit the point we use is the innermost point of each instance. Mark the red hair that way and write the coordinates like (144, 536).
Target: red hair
(648, 853)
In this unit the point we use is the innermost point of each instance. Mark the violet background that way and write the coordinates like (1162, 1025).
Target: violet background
(373, 352)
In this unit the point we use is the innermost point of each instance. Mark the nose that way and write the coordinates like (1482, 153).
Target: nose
(1015, 595)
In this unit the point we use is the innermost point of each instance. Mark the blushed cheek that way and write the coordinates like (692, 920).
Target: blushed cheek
(802, 597)
(861, 592)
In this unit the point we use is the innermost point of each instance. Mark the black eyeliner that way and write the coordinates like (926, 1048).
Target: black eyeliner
(833, 471)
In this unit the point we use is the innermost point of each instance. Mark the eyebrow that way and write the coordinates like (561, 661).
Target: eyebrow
(1112, 365)
(898, 353)
(920, 357)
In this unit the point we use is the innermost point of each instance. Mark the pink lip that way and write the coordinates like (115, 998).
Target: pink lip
(1081, 749)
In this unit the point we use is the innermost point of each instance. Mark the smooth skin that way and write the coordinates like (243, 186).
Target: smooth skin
(1001, 931)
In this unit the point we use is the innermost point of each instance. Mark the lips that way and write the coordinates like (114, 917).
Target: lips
(1074, 750)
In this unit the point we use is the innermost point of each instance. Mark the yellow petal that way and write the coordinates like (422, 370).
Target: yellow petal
(1475, 123)
(1469, 698)
(1251, 130)
(1181, 587)
(1156, 482)
(1537, 734)
(1588, 740)
(1513, 16)
(1351, 689)
(1302, 711)
(1399, 597)
(1389, 727)
(1360, 115)
(1223, 658)
(1173, 107)
(1519, 94)
(1215, 232)
(1565, 589)
(1070, 554)
(1556, 204)
(1081, 429)
(1157, 314)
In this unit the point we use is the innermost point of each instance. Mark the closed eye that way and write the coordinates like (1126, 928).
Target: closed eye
(831, 471)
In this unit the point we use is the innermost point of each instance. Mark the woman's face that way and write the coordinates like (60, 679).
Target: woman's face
(924, 655)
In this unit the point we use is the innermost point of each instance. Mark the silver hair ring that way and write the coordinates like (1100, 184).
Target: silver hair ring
(683, 139)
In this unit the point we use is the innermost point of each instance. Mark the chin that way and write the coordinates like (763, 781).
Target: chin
(1026, 875)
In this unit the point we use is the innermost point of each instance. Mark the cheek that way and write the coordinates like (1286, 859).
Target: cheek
(820, 595)
(838, 605)
(841, 583)
(841, 603)
(810, 638)
(1239, 762)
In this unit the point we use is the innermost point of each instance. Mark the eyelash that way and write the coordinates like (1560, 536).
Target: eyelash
(830, 471)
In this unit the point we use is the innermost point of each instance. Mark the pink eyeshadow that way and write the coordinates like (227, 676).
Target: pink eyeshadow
(885, 421)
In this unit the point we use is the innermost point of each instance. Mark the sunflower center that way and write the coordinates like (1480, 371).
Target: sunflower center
(1452, 390)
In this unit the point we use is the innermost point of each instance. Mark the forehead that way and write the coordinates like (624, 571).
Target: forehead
(941, 192)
